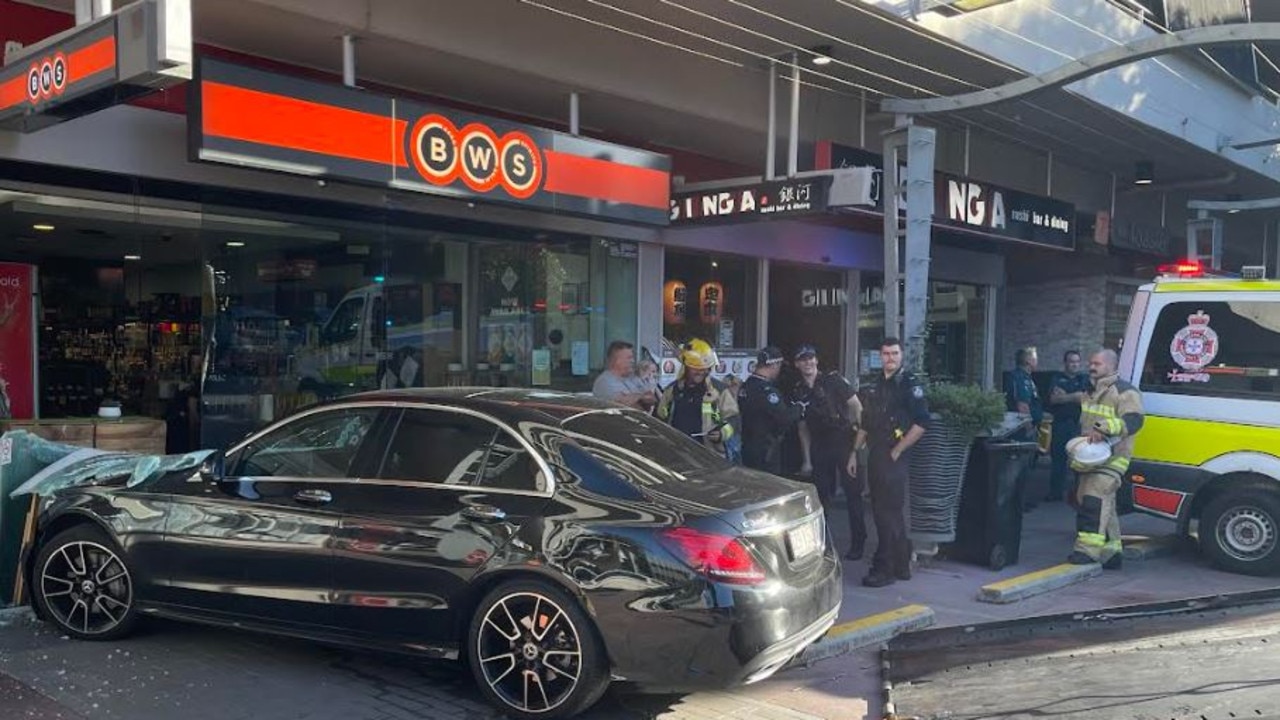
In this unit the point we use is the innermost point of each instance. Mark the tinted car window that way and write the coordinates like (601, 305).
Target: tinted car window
(324, 444)
(450, 448)
(1224, 349)
(643, 440)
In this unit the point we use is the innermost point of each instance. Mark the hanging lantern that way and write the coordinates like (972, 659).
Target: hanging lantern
(675, 302)
(710, 302)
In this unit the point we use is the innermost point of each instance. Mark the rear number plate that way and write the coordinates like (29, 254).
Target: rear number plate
(804, 540)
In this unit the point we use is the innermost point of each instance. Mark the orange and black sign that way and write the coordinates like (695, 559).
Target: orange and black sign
(252, 118)
(46, 78)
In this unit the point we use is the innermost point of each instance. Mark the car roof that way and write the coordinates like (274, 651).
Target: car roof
(509, 404)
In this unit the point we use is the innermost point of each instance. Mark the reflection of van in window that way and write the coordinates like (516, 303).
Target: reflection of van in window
(383, 336)
(1206, 354)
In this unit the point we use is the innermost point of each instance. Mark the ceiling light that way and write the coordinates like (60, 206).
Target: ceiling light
(235, 243)
(1144, 172)
(821, 55)
(42, 227)
(132, 257)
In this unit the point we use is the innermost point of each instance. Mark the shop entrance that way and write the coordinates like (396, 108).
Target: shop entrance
(808, 306)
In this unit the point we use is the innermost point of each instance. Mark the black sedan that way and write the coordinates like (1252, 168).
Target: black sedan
(553, 542)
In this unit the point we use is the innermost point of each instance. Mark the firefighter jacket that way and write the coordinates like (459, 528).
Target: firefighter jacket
(718, 409)
(1113, 407)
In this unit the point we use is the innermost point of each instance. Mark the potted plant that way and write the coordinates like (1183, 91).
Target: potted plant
(960, 413)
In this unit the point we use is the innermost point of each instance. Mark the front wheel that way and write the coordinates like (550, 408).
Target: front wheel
(1240, 531)
(535, 653)
(81, 582)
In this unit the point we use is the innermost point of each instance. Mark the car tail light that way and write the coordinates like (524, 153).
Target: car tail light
(720, 557)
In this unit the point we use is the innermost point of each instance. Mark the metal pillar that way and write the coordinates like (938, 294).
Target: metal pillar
(793, 149)
(771, 151)
(90, 10)
(574, 106)
(349, 60)
(914, 147)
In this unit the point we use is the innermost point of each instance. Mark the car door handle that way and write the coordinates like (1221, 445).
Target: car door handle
(484, 513)
(313, 496)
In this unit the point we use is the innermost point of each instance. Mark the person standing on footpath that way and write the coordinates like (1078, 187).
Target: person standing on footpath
(619, 382)
(895, 417)
(1022, 397)
(766, 417)
(1111, 413)
(698, 405)
(831, 413)
(1069, 390)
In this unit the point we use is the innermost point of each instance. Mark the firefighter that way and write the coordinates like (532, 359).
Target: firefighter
(1110, 413)
(766, 416)
(699, 406)
(895, 416)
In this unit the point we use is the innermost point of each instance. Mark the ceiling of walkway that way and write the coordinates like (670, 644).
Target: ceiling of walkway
(688, 74)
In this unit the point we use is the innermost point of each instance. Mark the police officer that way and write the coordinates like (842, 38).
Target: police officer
(832, 411)
(1070, 387)
(1022, 397)
(895, 415)
(766, 417)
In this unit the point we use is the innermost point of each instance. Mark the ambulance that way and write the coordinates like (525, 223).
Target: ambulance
(1205, 352)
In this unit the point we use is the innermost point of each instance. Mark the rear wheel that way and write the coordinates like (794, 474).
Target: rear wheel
(83, 584)
(535, 653)
(1240, 530)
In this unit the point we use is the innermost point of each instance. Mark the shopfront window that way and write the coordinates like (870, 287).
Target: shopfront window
(549, 310)
(216, 319)
(956, 330)
(710, 297)
(808, 306)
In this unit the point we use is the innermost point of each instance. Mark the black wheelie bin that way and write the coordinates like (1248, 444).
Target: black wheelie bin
(989, 525)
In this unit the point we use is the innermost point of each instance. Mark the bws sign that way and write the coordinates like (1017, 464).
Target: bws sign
(442, 154)
(46, 78)
(252, 118)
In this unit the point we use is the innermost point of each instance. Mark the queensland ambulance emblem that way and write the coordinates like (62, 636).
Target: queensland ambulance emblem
(1195, 345)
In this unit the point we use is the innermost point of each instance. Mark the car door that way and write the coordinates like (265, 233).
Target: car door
(258, 544)
(453, 489)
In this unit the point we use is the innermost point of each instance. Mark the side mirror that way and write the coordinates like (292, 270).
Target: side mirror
(214, 467)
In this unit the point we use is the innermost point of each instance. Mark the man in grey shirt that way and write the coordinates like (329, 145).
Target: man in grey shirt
(618, 383)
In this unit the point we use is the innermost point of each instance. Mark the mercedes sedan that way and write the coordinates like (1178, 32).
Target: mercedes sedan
(552, 542)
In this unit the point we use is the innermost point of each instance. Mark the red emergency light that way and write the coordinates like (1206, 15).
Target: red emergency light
(1182, 268)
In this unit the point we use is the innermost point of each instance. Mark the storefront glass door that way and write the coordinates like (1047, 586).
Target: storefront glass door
(808, 306)
(956, 331)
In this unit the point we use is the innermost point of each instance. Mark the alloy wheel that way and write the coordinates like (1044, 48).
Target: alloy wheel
(530, 652)
(1247, 533)
(86, 587)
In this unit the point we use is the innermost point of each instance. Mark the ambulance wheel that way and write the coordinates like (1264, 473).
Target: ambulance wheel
(1240, 531)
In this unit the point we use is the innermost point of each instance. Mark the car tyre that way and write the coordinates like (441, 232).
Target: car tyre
(82, 582)
(535, 653)
(1240, 531)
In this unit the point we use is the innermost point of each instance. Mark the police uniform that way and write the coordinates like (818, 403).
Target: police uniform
(766, 417)
(1066, 425)
(891, 406)
(1021, 388)
(831, 433)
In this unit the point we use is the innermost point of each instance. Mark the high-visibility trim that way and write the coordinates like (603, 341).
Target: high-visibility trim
(1118, 463)
(1115, 426)
(1091, 539)
(1218, 286)
(726, 432)
(1098, 409)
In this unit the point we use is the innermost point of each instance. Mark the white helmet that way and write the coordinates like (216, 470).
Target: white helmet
(1088, 454)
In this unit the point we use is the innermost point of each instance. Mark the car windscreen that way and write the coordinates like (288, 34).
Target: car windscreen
(644, 439)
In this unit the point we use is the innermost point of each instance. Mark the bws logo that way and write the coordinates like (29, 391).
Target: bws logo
(441, 153)
(46, 78)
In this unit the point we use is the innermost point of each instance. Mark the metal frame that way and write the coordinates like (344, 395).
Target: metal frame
(1090, 65)
(916, 146)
